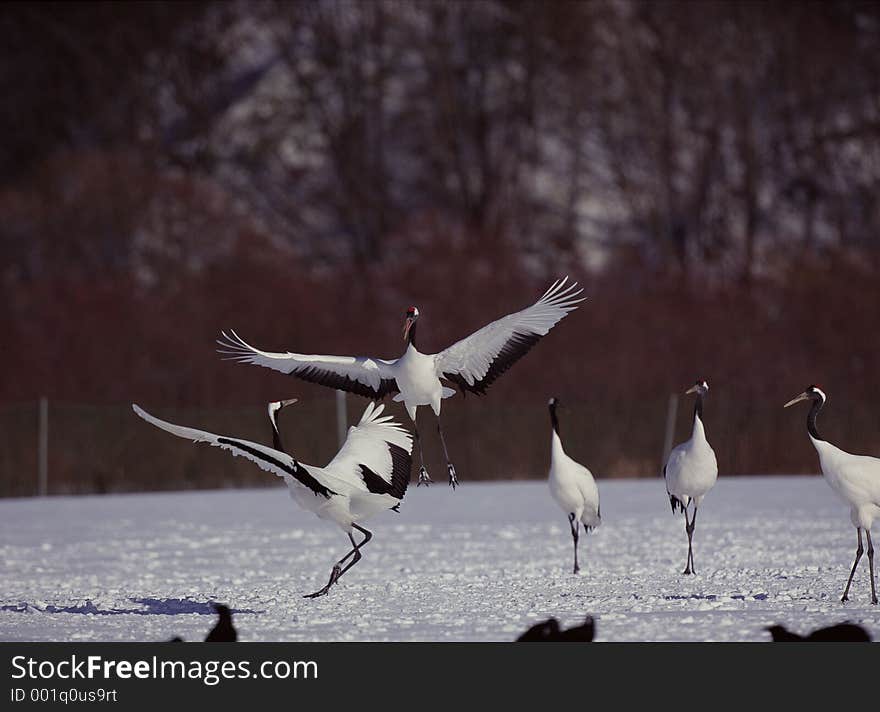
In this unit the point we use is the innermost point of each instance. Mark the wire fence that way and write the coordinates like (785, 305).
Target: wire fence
(70, 448)
(97, 449)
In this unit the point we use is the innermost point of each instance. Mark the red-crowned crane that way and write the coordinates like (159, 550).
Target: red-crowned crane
(572, 486)
(691, 471)
(369, 474)
(472, 363)
(856, 478)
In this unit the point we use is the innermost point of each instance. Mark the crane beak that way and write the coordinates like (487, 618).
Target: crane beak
(276, 406)
(802, 396)
(406, 327)
(692, 389)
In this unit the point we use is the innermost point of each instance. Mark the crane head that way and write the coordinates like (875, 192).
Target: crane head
(276, 406)
(411, 316)
(701, 387)
(813, 393)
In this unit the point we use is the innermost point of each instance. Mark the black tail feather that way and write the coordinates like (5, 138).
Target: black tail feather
(676, 502)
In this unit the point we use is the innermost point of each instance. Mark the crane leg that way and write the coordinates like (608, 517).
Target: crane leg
(689, 530)
(424, 479)
(357, 547)
(453, 480)
(574, 524)
(871, 565)
(852, 573)
(338, 569)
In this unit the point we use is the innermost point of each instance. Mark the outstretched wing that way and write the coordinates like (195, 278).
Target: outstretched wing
(475, 362)
(377, 452)
(267, 458)
(368, 377)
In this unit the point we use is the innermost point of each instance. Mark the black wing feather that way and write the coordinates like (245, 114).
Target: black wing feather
(299, 473)
(400, 471)
(323, 377)
(517, 346)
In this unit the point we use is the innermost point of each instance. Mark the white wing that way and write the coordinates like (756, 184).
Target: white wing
(377, 454)
(475, 362)
(677, 457)
(267, 458)
(368, 377)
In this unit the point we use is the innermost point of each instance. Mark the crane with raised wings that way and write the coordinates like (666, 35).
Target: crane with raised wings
(369, 474)
(472, 364)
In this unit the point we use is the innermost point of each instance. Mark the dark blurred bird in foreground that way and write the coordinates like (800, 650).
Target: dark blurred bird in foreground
(549, 631)
(840, 633)
(224, 631)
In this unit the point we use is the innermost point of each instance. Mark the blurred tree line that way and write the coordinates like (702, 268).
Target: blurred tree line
(302, 171)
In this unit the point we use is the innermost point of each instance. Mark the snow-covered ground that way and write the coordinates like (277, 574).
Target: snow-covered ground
(481, 563)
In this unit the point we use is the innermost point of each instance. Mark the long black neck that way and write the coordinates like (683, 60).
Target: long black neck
(554, 419)
(411, 334)
(811, 418)
(276, 435)
(698, 406)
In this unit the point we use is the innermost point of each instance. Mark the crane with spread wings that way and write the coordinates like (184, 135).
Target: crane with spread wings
(415, 378)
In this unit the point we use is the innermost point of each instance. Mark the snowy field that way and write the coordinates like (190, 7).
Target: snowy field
(481, 563)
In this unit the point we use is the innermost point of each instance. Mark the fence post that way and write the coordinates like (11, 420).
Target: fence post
(671, 415)
(341, 417)
(43, 448)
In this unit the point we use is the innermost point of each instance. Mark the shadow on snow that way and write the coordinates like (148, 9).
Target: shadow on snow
(149, 607)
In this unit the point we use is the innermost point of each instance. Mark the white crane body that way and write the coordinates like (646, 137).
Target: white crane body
(572, 486)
